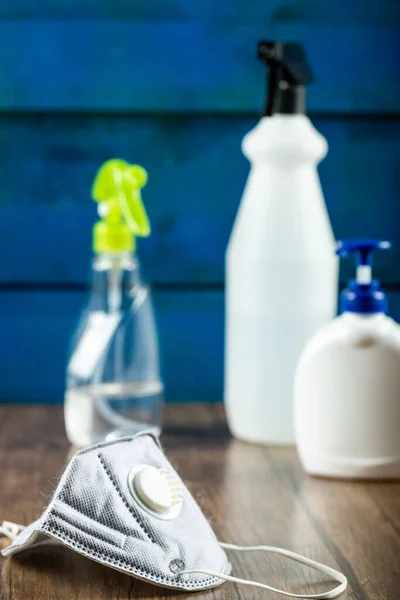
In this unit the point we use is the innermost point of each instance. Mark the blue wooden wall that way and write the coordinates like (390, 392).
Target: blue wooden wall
(173, 85)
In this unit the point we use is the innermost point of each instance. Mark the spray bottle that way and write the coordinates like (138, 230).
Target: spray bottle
(281, 271)
(113, 381)
(347, 385)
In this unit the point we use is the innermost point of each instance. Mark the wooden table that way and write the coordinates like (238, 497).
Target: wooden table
(252, 495)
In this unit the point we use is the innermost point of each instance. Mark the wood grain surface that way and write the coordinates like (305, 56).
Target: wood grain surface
(173, 85)
(251, 494)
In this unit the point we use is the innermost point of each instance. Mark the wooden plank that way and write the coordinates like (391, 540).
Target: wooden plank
(37, 326)
(343, 11)
(318, 502)
(197, 174)
(251, 495)
(172, 65)
(388, 506)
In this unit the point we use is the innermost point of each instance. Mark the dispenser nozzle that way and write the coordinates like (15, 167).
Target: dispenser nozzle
(363, 294)
(363, 249)
(289, 72)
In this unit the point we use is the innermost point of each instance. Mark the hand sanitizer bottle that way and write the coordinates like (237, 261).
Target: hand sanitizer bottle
(281, 271)
(113, 380)
(347, 386)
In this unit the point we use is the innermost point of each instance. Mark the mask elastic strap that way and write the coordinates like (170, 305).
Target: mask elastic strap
(294, 556)
(11, 530)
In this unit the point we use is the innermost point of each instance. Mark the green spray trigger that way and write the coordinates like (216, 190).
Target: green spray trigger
(117, 188)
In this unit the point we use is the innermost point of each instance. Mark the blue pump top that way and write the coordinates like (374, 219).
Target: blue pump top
(363, 294)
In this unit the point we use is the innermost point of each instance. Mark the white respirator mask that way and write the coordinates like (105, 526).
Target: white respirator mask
(122, 504)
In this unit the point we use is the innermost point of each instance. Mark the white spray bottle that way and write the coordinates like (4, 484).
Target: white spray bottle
(281, 270)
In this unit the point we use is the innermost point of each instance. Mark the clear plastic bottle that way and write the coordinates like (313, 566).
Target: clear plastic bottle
(113, 378)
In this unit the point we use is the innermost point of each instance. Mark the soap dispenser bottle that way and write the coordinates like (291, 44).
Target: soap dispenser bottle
(347, 386)
(113, 384)
(281, 271)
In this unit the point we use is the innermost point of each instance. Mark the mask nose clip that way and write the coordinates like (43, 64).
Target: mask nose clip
(177, 566)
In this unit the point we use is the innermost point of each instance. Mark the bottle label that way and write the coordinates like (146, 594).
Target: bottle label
(98, 333)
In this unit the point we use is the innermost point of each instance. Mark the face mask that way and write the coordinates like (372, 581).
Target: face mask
(122, 504)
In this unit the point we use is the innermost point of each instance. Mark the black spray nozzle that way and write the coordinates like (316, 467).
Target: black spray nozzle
(289, 72)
